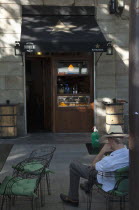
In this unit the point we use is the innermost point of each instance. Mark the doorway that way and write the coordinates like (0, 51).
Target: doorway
(51, 106)
(38, 94)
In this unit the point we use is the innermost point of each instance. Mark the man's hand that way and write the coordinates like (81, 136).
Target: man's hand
(106, 148)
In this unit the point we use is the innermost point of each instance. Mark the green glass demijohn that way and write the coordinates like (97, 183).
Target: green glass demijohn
(95, 140)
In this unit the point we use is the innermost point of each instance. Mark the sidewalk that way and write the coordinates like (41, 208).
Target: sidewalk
(49, 138)
(64, 154)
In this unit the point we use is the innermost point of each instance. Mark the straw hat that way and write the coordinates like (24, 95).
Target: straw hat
(117, 135)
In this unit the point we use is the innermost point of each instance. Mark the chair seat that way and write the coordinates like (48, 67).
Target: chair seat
(113, 192)
(31, 168)
(18, 186)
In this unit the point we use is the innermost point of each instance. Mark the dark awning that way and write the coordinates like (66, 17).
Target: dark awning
(62, 29)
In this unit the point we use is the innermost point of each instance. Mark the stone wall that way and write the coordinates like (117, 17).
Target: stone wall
(111, 71)
(11, 67)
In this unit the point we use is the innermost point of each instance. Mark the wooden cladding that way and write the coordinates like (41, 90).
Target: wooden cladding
(74, 119)
(114, 119)
(8, 120)
(114, 114)
(114, 109)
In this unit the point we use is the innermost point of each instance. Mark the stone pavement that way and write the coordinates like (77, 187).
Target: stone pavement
(68, 147)
(49, 138)
(64, 154)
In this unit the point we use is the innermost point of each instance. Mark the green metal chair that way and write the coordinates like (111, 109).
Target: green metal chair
(119, 193)
(40, 153)
(18, 186)
(34, 164)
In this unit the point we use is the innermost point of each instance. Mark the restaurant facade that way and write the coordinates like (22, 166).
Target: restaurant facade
(57, 66)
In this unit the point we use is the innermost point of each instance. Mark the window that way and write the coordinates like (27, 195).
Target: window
(72, 68)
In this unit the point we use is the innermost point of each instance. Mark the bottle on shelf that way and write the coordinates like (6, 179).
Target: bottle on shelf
(61, 89)
(66, 88)
(75, 89)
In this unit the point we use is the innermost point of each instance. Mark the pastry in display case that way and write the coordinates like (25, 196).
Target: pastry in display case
(73, 101)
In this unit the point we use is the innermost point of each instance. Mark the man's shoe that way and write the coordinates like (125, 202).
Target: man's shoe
(68, 200)
(84, 187)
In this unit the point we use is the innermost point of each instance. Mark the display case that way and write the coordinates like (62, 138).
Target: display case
(72, 68)
(73, 78)
(73, 101)
(74, 94)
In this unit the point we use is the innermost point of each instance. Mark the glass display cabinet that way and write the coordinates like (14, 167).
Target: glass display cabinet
(74, 95)
(73, 101)
(73, 78)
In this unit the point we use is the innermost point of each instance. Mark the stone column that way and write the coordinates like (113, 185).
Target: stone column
(134, 105)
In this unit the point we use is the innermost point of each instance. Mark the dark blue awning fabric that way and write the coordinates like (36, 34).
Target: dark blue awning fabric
(72, 31)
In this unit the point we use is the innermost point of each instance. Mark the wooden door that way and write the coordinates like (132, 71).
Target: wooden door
(73, 118)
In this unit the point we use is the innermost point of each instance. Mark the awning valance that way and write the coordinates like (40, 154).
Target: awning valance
(62, 29)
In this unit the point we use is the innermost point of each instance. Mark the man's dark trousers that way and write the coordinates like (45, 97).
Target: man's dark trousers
(78, 170)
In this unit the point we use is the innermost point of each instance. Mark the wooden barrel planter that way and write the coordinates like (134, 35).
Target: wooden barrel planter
(114, 115)
(8, 120)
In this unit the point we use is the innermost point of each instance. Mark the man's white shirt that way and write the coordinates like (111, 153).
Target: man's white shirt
(117, 159)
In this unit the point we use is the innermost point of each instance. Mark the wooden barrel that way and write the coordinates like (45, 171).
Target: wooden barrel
(8, 120)
(114, 109)
(114, 114)
(114, 117)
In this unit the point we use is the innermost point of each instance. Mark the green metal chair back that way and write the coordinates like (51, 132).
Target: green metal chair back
(120, 190)
(122, 180)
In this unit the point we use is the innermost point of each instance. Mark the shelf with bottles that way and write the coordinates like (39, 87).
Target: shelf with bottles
(73, 86)
(73, 101)
(71, 94)
(72, 75)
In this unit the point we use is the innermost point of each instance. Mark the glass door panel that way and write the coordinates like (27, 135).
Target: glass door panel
(71, 67)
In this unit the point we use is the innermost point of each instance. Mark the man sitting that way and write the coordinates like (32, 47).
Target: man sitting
(118, 158)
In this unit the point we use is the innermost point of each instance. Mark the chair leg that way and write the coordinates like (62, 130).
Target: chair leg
(121, 207)
(48, 183)
(42, 194)
(107, 201)
(111, 204)
(6, 204)
(38, 201)
(2, 202)
(9, 203)
(13, 200)
(89, 200)
(123, 203)
(33, 204)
